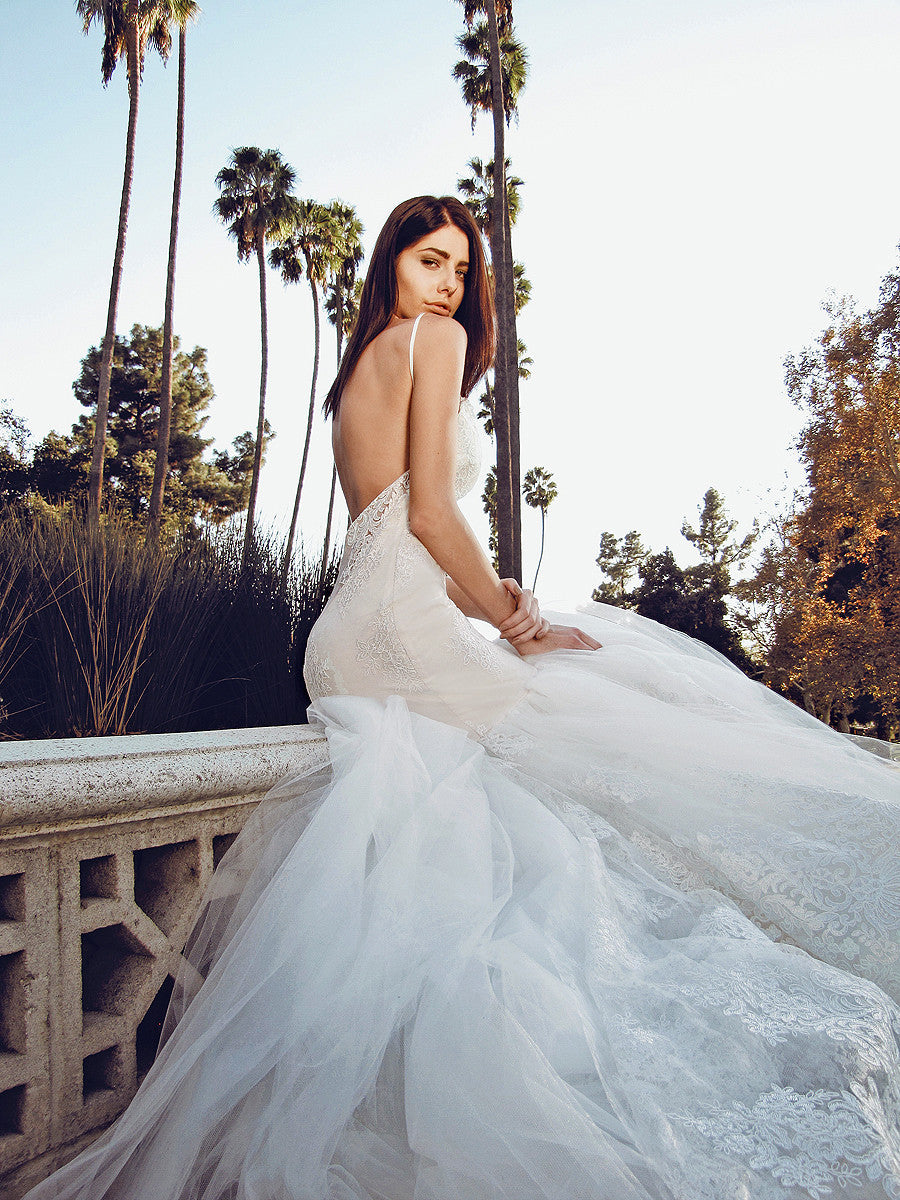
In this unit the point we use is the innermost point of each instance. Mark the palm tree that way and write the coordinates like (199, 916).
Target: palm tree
(492, 75)
(474, 72)
(128, 27)
(342, 294)
(255, 201)
(477, 191)
(539, 490)
(521, 287)
(486, 399)
(308, 243)
(163, 428)
(489, 504)
(350, 307)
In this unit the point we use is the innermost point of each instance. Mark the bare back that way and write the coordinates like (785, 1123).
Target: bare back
(370, 432)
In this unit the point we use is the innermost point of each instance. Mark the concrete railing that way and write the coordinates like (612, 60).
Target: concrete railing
(106, 846)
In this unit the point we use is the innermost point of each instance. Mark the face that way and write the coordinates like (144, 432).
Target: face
(431, 274)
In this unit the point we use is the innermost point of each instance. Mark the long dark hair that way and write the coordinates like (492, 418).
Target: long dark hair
(409, 223)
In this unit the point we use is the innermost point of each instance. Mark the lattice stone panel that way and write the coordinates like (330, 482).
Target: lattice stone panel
(93, 915)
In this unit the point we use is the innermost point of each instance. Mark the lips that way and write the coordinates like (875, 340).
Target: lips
(444, 308)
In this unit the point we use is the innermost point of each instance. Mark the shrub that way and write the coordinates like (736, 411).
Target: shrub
(102, 634)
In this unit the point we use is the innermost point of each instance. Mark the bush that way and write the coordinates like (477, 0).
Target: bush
(101, 634)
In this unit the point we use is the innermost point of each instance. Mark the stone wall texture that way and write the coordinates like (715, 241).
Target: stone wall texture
(106, 846)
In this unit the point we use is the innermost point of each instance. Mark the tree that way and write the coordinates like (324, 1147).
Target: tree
(342, 295)
(831, 575)
(161, 464)
(486, 399)
(14, 439)
(521, 292)
(693, 600)
(198, 489)
(489, 504)
(492, 75)
(477, 191)
(308, 243)
(128, 27)
(255, 202)
(539, 490)
(619, 559)
(712, 535)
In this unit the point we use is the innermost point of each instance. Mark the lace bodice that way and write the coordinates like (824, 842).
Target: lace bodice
(468, 458)
(389, 627)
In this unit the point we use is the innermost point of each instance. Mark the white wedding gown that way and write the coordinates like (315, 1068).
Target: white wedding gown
(619, 925)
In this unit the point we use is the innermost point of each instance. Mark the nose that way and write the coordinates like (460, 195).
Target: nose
(449, 281)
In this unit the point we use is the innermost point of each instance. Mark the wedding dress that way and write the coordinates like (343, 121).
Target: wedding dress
(612, 925)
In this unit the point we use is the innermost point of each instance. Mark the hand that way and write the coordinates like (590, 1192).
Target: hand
(559, 637)
(526, 623)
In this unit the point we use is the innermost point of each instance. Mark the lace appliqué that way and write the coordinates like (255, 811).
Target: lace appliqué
(386, 658)
(468, 457)
(812, 1141)
(778, 1001)
(472, 648)
(362, 549)
(509, 746)
(318, 672)
(840, 890)
(412, 559)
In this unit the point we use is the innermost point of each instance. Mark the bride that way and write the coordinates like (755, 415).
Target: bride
(553, 921)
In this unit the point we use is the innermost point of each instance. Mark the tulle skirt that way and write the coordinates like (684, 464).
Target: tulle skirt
(639, 944)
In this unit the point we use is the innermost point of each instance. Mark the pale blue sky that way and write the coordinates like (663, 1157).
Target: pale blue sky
(698, 176)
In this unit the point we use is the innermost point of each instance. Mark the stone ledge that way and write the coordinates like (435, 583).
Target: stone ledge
(63, 781)
(106, 847)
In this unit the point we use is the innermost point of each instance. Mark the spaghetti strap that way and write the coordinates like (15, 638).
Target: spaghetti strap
(412, 342)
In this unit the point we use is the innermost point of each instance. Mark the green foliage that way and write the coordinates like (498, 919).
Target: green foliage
(197, 490)
(477, 191)
(474, 74)
(255, 198)
(114, 636)
(522, 294)
(692, 600)
(619, 559)
(485, 412)
(489, 504)
(155, 19)
(539, 488)
(695, 599)
(714, 531)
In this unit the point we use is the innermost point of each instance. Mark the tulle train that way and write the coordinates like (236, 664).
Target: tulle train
(428, 972)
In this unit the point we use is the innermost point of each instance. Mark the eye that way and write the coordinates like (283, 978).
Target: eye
(430, 262)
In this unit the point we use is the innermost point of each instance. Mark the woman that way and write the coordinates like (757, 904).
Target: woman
(553, 921)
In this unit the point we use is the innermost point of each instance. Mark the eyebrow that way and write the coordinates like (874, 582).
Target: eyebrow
(443, 254)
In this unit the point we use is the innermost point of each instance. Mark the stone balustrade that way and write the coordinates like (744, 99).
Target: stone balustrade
(106, 846)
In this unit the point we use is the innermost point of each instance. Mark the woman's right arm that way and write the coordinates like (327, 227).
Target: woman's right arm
(434, 516)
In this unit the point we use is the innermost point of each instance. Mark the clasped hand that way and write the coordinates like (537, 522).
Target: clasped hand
(531, 633)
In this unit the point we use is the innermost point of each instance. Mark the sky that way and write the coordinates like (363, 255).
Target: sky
(700, 175)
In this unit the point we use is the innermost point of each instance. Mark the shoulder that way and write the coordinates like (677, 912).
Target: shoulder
(439, 339)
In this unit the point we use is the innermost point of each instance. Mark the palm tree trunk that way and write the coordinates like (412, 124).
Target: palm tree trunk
(506, 367)
(541, 555)
(263, 374)
(512, 370)
(95, 479)
(309, 422)
(163, 429)
(327, 543)
(323, 569)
